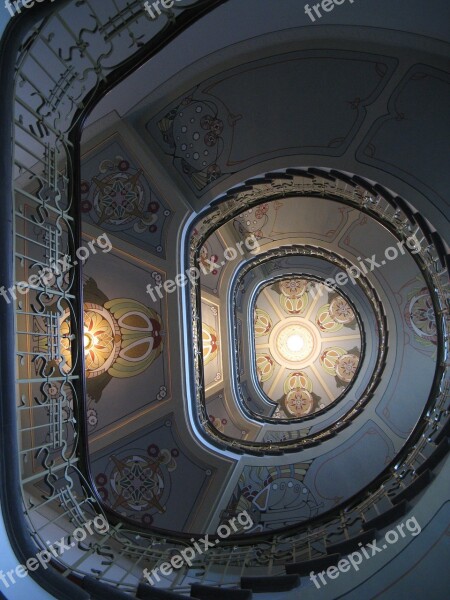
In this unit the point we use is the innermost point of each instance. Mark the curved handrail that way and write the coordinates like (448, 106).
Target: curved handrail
(123, 542)
(296, 184)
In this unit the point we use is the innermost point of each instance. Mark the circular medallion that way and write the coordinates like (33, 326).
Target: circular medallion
(294, 343)
(307, 343)
(341, 311)
(346, 367)
(299, 402)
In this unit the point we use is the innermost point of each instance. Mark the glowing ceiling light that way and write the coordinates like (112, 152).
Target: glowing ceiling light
(89, 340)
(295, 343)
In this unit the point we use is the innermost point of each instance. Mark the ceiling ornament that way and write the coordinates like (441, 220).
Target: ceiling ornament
(264, 367)
(122, 338)
(210, 343)
(262, 323)
(298, 345)
(101, 340)
(140, 482)
(141, 336)
(294, 343)
(294, 298)
(199, 134)
(341, 364)
(420, 317)
(117, 196)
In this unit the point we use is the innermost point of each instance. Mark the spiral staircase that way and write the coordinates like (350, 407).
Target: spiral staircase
(302, 379)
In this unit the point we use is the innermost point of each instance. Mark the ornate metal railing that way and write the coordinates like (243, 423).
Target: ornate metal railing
(394, 214)
(382, 332)
(59, 71)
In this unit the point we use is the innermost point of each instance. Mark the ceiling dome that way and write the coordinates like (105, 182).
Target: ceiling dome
(266, 335)
(304, 327)
(310, 342)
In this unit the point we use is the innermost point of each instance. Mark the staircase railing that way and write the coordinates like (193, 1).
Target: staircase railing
(52, 73)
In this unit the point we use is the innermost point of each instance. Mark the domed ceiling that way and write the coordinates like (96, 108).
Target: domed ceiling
(315, 342)
(282, 362)
(294, 351)
(268, 329)
(309, 303)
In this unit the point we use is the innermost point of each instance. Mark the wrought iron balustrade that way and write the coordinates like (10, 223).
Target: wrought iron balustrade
(59, 71)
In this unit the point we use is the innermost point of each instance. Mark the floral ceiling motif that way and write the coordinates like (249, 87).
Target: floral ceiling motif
(197, 132)
(272, 496)
(420, 317)
(140, 483)
(211, 344)
(307, 345)
(122, 338)
(117, 196)
(101, 340)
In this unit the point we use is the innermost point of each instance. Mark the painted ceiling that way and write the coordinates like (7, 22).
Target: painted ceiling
(299, 354)
(283, 357)
(271, 163)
